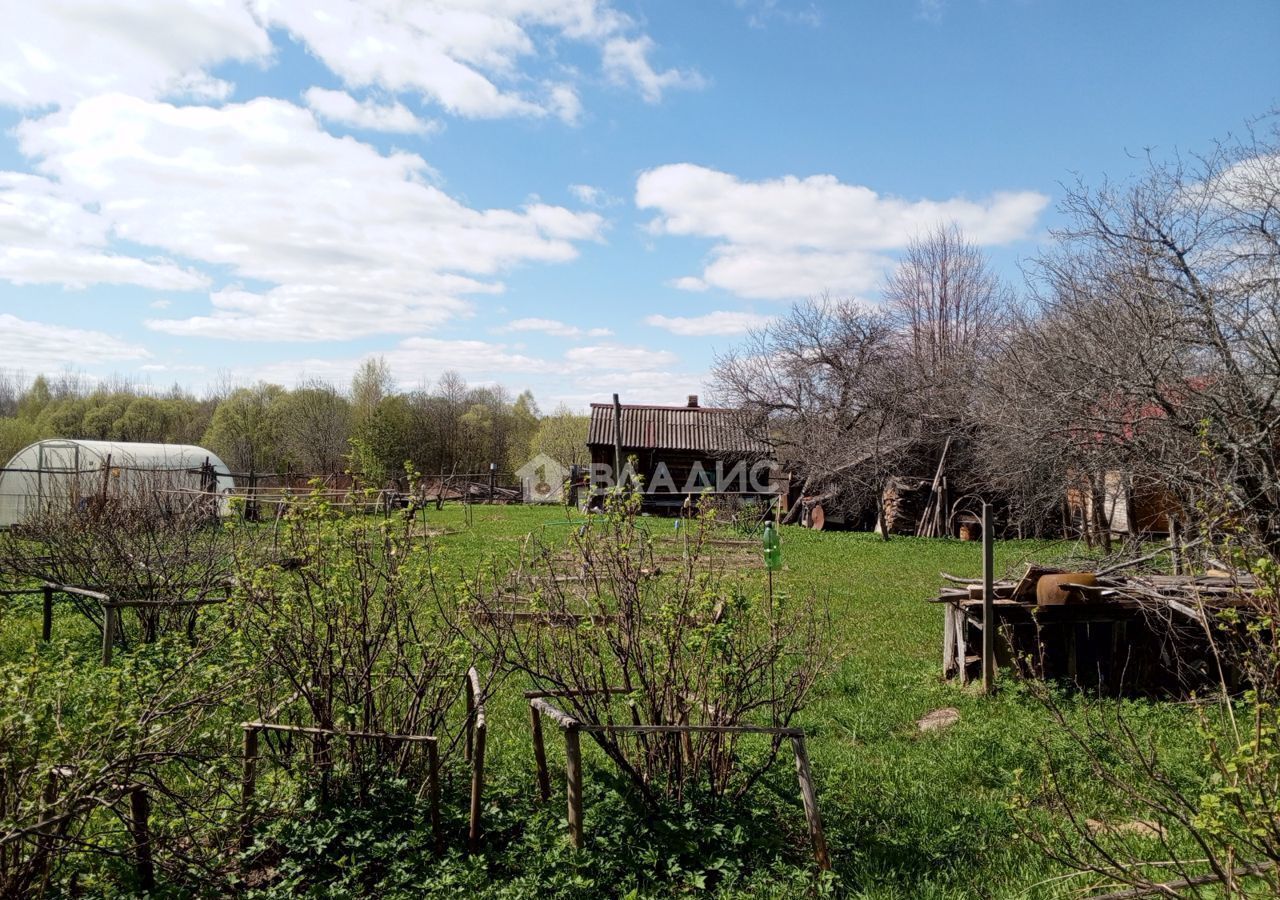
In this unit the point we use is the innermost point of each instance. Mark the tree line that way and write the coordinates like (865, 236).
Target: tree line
(370, 427)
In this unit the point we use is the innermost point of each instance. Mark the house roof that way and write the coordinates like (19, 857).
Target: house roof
(697, 428)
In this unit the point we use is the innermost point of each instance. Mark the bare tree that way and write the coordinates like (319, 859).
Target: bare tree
(947, 306)
(1156, 353)
(818, 384)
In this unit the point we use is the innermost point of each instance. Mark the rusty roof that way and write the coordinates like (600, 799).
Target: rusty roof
(698, 428)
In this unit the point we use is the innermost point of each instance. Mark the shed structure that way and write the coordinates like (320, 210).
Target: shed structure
(71, 472)
(681, 450)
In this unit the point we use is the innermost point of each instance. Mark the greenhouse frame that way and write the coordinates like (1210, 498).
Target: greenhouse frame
(71, 472)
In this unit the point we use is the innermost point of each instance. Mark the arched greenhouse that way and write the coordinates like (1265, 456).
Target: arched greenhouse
(71, 473)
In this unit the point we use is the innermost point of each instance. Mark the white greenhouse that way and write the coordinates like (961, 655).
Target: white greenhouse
(69, 471)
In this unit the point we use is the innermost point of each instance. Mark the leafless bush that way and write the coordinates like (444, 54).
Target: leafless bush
(141, 537)
(622, 631)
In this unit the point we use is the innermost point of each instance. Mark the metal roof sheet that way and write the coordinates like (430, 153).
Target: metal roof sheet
(697, 428)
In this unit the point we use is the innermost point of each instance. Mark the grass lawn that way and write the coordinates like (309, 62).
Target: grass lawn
(907, 814)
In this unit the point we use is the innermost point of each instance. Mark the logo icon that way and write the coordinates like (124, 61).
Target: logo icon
(542, 480)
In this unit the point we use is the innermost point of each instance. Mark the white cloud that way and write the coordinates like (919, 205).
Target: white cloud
(555, 328)
(690, 283)
(646, 386)
(589, 195)
(466, 55)
(475, 58)
(626, 62)
(58, 51)
(348, 241)
(761, 12)
(39, 346)
(341, 107)
(931, 11)
(790, 237)
(47, 238)
(415, 360)
(615, 356)
(713, 323)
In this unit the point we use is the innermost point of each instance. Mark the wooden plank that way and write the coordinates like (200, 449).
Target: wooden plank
(687, 729)
(810, 800)
(563, 719)
(333, 732)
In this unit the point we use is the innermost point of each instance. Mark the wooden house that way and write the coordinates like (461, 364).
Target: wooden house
(680, 451)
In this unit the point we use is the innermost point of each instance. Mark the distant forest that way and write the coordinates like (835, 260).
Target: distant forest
(367, 427)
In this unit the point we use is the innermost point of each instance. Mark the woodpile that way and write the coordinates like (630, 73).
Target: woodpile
(903, 504)
(1145, 633)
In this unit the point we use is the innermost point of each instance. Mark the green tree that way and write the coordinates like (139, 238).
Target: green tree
(144, 419)
(313, 426)
(241, 431)
(561, 436)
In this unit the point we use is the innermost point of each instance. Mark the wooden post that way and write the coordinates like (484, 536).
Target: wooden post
(248, 784)
(573, 777)
(540, 754)
(109, 617)
(477, 787)
(810, 800)
(493, 475)
(433, 791)
(1175, 545)
(46, 624)
(948, 641)
(140, 826)
(617, 441)
(988, 603)
(468, 746)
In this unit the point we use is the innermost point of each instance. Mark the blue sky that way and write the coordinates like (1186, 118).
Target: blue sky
(573, 196)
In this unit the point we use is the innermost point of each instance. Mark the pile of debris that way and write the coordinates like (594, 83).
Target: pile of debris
(1146, 633)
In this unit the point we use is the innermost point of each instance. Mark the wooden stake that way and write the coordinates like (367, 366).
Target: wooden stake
(617, 440)
(468, 747)
(540, 754)
(477, 786)
(810, 800)
(948, 641)
(46, 625)
(140, 826)
(248, 784)
(109, 616)
(988, 603)
(433, 791)
(573, 777)
(1175, 545)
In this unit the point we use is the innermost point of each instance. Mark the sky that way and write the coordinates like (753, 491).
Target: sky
(578, 197)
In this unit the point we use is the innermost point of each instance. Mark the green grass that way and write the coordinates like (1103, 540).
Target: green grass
(907, 814)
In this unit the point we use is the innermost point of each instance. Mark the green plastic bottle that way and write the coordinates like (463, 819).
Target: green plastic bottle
(772, 548)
